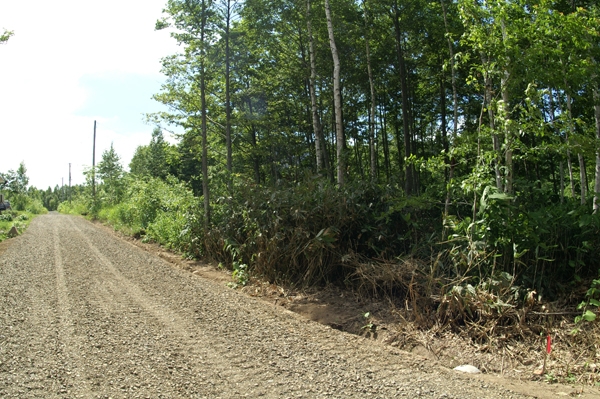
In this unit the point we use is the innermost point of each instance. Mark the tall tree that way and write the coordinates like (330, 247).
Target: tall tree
(337, 101)
(110, 171)
(17, 180)
(322, 157)
(372, 149)
(596, 203)
(157, 162)
(409, 185)
(227, 10)
(190, 18)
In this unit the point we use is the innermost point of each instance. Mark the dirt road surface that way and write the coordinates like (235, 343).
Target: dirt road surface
(84, 314)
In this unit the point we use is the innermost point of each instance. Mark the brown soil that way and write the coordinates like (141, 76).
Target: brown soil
(572, 369)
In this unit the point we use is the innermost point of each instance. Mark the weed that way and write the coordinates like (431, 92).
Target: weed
(592, 301)
(551, 378)
(240, 270)
(370, 326)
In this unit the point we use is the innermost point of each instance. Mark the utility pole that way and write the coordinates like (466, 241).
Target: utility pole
(69, 181)
(94, 164)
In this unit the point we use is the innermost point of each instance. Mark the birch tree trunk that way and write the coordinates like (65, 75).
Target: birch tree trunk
(567, 139)
(372, 152)
(228, 94)
(337, 101)
(409, 175)
(495, 139)
(205, 187)
(321, 153)
(508, 139)
(454, 106)
(582, 178)
(596, 204)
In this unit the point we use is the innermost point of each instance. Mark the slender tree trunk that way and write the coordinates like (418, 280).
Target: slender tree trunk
(443, 127)
(228, 95)
(495, 139)
(596, 204)
(409, 175)
(372, 152)
(453, 75)
(582, 178)
(561, 165)
(386, 145)
(205, 187)
(337, 101)
(508, 139)
(253, 142)
(567, 139)
(454, 106)
(321, 153)
(562, 182)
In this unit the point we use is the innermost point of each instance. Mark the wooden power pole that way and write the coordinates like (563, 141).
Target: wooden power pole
(94, 164)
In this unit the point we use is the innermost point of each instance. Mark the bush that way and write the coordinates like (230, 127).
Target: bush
(36, 207)
(304, 234)
(155, 208)
(77, 206)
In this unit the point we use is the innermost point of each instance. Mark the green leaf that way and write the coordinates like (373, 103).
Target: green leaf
(500, 196)
(595, 302)
(589, 315)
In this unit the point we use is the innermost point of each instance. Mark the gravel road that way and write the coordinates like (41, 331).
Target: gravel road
(87, 315)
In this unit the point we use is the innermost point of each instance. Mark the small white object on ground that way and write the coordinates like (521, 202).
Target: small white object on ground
(467, 368)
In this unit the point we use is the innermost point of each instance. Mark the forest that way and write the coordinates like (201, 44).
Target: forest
(443, 153)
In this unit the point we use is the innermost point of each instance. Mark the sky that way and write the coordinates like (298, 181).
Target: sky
(71, 62)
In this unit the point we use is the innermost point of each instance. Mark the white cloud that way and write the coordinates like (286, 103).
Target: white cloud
(55, 44)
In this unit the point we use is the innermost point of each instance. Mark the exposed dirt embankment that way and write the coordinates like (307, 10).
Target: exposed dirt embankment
(86, 314)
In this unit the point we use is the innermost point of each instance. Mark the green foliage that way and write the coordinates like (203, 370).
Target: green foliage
(302, 233)
(11, 218)
(78, 206)
(110, 173)
(154, 208)
(22, 198)
(17, 181)
(5, 36)
(155, 159)
(591, 305)
(240, 270)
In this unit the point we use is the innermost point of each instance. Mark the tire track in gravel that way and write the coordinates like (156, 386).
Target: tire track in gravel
(122, 287)
(71, 343)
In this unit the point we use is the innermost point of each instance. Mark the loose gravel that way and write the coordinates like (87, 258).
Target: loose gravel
(87, 315)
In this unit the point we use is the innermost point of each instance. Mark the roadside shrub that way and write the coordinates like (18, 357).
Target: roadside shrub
(36, 207)
(24, 203)
(18, 202)
(304, 233)
(157, 209)
(531, 243)
(76, 206)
